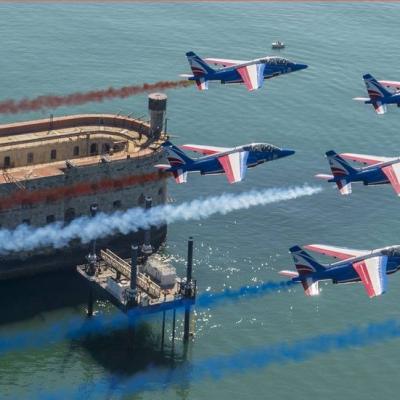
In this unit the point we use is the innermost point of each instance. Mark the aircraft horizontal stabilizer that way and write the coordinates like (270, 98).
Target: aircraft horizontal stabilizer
(289, 274)
(324, 176)
(162, 167)
(361, 98)
(186, 76)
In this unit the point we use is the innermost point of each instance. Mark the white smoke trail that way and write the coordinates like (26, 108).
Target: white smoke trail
(86, 228)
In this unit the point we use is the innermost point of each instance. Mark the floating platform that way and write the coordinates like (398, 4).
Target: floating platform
(145, 282)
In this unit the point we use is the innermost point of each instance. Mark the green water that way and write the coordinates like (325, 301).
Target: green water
(66, 48)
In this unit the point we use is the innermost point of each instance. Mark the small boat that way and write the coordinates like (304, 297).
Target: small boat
(278, 45)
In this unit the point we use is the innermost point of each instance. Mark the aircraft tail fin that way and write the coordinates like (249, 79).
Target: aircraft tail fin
(342, 171)
(178, 161)
(375, 89)
(199, 67)
(306, 266)
(304, 262)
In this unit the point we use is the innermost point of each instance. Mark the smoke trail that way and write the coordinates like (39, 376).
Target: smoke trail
(254, 358)
(85, 229)
(77, 328)
(51, 101)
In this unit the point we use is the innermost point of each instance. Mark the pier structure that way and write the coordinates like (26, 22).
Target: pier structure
(144, 282)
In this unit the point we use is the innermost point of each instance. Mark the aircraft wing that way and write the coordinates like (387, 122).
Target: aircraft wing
(372, 273)
(393, 174)
(234, 165)
(224, 62)
(395, 86)
(252, 75)
(340, 253)
(206, 150)
(365, 158)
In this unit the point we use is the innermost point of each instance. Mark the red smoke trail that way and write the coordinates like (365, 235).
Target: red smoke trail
(41, 102)
(80, 189)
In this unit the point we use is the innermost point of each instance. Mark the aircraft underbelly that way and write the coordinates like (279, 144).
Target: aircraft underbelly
(374, 178)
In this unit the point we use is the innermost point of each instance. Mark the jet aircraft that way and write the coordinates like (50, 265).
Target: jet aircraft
(379, 170)
(233, 161)
(252, 73)
(380, 93)
(368, 266)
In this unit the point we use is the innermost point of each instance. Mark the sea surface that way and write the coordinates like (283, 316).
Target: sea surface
(64, 48)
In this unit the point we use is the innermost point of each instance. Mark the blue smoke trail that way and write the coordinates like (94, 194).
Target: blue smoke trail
(78, 327)
(217, 367)
(85, 229)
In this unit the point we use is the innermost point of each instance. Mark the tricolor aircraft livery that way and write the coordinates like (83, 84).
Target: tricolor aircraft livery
(232, 161)
(380, 93)
(379, 170)
(252, 73)
(368, 266)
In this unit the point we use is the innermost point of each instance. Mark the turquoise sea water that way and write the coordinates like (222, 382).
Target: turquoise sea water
(66, 48)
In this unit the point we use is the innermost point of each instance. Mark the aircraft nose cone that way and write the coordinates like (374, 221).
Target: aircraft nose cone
(299, 67)
(286, 152)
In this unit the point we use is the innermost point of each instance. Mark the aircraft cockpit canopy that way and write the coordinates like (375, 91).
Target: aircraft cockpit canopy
(392, 251)
(275, 61)
(261, 147)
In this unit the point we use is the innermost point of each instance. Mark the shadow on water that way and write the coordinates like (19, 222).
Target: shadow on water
(21, 299)
(128, 352)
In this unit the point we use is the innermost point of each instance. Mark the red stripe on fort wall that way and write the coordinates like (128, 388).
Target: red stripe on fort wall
(27, 198)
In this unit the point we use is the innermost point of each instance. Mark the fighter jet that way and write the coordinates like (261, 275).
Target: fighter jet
(368, 266)
(232, 161)
(379, 170)
(380, 93)
(252, 73)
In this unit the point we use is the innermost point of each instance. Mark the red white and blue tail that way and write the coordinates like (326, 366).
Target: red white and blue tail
(200, 70)
(304, 262)
(199, 67)
(377, 94)
(375, 90)
(307, 267)
(342, 172)
(178, 162)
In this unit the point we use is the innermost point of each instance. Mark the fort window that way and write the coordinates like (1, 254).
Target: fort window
(93, 148)
(50, 199)
(69, 214)
(53, 154)
(117, 204)
(7, 161)
(76, 151)
(29, 158)
(141, 199)
(50, 218)
(26, 221)
(160, 191)
(106, 147)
